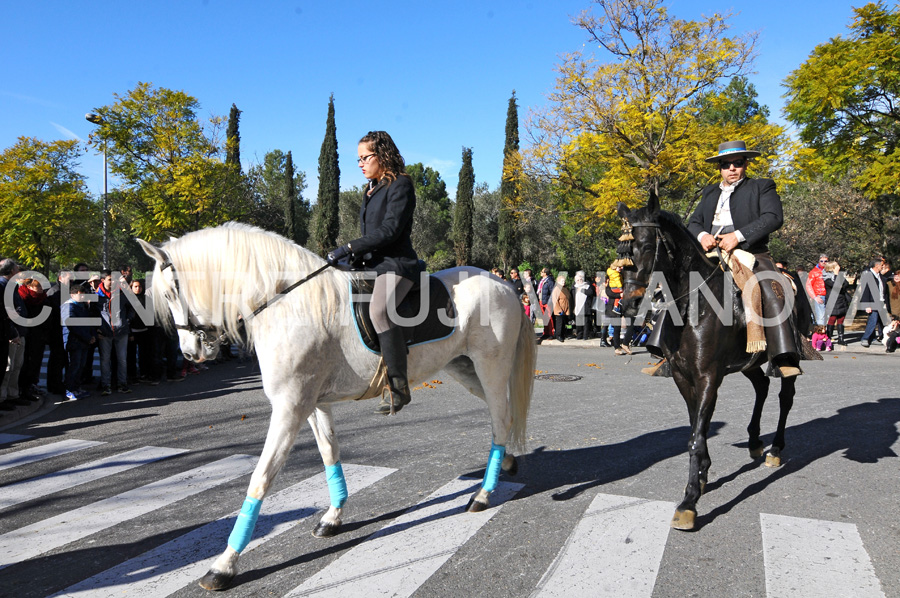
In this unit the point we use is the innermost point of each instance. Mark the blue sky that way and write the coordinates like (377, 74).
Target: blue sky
(436, 75)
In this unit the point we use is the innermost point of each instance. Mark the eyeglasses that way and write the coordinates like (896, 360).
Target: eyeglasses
(363, 159)
(739, 163)
(822, 261)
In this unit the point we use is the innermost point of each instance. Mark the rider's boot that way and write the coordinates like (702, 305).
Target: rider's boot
(393, 349)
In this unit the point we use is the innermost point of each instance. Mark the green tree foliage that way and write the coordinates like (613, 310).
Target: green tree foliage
(462, 215)
(507, 241)
(233, 138)
(326, 222)
(735, 104)
(614, 129)
(432, 219)
(486, 223)
(173, 178)
(351, 202)
(296, 212)
(46, 215)
(269, 190)
(845, 99)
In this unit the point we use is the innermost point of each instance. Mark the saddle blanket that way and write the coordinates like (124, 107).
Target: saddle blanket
(437, 323)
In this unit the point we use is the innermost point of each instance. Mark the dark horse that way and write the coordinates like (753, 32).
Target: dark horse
(700, 353)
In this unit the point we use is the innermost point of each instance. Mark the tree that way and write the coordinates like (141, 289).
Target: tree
(512, 168)
(173, 179)
(462, 216)
(326, 222)
(432, 219)
(269, 189)
(735, 104)
(233, 138)
(46, 214)
(845, 99)
(613, 130)
(351, 202)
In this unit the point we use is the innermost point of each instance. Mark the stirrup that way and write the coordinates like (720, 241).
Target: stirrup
(390, 405)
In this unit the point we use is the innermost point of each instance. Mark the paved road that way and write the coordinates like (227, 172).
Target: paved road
(133, 494)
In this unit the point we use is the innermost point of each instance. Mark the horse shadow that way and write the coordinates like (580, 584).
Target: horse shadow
(865, 432)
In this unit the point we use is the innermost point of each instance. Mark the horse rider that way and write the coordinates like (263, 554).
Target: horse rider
(385, 247)
(741, 212)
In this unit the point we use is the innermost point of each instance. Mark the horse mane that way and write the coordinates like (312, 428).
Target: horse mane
(228, 271)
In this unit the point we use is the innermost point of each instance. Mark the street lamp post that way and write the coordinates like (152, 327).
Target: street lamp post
(95, 118)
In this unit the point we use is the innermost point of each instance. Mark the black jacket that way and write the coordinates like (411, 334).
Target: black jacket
(386, 218)
(755, 209)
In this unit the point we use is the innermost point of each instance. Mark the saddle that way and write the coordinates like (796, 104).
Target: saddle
(436, 323)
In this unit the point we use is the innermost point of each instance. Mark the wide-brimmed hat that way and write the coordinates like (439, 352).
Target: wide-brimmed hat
(733, 149)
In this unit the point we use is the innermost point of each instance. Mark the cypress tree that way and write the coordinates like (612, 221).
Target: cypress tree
(290, 193)
(233, 138)
(507, 242)
(327, 222)
(463, 232)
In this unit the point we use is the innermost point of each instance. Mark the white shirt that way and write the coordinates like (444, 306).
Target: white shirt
(722, 215)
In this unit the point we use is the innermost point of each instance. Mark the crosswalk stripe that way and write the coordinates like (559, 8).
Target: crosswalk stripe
(396, 560)
(54, 532)
(7, 438)
(615, 550)
(26, 490)
(184, 560)
(807, 558)
(39, 453)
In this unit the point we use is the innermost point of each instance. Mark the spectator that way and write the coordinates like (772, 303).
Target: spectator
(9, 390)
(891, 331)
(58, 360)
(599, 316)
(893, 292)
(544, 291)
(820, 340)
(815, 288)
(7, 332)
(838, 298)
(612, 310)
(873, 294)
(526, 305)
(115, 315)
(584, 299)
(33, 297)
(140, 342)
(561, 301)
(77, 337)
(516, 281)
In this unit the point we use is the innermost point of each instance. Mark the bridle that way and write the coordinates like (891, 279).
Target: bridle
(206, 334)
(661, 240)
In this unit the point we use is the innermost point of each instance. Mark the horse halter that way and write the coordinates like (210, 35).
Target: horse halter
(204, 334)
(660, 240)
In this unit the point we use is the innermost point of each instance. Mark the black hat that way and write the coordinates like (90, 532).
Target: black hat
(733, 149)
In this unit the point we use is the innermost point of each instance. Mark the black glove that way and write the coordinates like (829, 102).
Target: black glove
(336, 255)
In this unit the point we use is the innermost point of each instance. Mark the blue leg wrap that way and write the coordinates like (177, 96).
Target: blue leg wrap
(492, 473)
(337, 485)
(243, 527)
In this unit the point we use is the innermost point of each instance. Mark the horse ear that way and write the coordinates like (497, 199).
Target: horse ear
(152, 251)
(653, 202)
(623, 210)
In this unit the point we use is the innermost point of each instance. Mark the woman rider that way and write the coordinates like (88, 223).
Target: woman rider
(385, 247)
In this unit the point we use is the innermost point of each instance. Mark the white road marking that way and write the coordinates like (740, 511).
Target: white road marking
(615, 550)
(808, 558)
(184, 560)
(39, 453)
(44, 536)
(26, 490)
(396, 560)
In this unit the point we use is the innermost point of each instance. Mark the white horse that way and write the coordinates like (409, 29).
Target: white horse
(231, 280)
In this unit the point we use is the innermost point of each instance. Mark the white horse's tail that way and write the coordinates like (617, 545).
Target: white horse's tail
(521, 383)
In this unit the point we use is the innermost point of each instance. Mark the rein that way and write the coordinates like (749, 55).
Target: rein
(203, 333)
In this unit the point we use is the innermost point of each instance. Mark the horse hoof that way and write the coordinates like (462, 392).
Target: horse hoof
(213, 580)
(510, 465)
(476, 506)
(326, 530)
(683, 520)
(757, 452)
(773, 460)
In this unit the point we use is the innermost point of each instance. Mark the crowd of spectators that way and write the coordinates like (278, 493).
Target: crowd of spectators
(89, 314)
